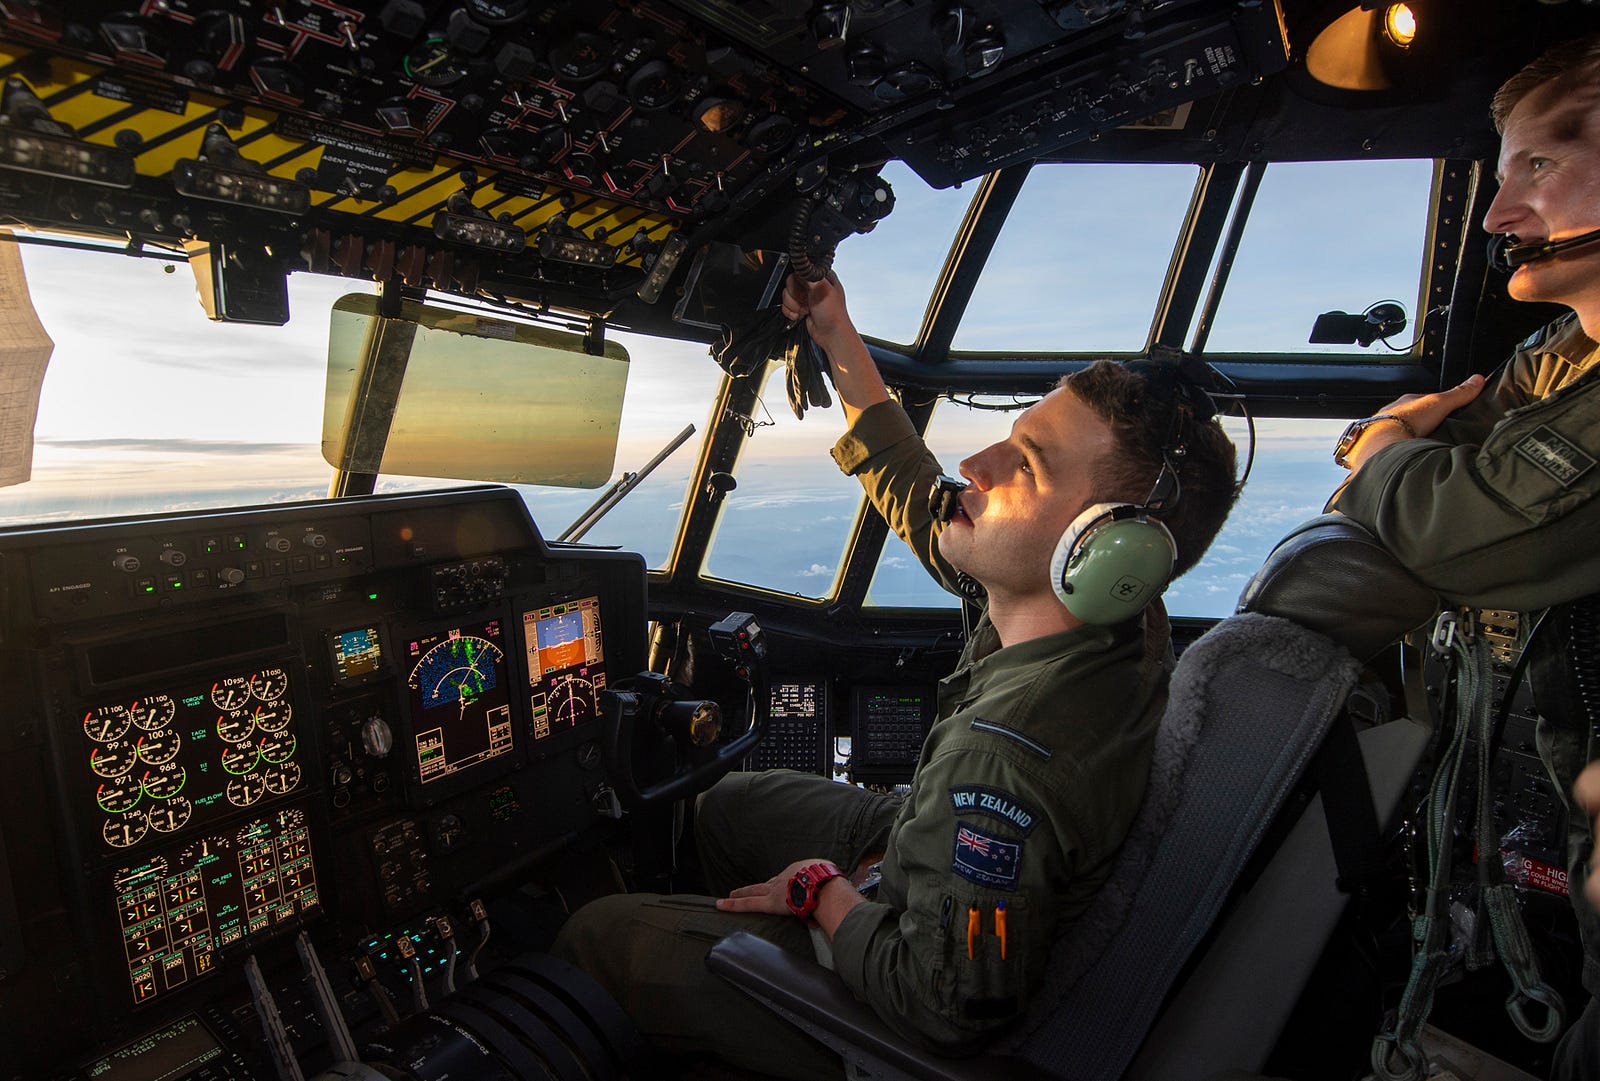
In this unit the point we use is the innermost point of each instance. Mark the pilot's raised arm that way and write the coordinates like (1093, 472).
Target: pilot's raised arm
(1036, 762)
(880, 447)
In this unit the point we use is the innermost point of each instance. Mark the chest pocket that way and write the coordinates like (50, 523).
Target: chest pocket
(1546, 459)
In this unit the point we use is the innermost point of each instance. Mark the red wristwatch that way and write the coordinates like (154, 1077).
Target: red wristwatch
(805, 888)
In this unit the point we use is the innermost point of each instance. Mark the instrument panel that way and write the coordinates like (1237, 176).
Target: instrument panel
(553, 153)
(192, 775)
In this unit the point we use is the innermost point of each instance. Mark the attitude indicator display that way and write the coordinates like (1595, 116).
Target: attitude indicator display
(357, 652)
(460, 710)
(566, 664)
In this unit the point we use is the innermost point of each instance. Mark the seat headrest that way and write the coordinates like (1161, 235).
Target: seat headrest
(1331, 575)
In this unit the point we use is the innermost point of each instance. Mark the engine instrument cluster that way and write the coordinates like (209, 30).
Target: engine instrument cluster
(189, 784)
(179, 908)
(170, 760)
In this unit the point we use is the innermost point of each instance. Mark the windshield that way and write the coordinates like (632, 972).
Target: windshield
(147, 406)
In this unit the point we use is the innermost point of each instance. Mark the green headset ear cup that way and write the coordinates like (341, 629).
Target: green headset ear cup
(1112, 561)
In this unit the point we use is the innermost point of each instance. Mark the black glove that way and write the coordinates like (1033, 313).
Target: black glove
(770, 335)
(807, 387)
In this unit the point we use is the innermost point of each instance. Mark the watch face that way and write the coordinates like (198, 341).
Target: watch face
(797, 892)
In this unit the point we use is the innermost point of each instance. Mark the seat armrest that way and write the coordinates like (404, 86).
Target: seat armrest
(1331, 575)
(818, 1002)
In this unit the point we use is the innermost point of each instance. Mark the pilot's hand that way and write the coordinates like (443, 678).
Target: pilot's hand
(771, 896)
(1587, 792)
(1423, 412)
(821, 305)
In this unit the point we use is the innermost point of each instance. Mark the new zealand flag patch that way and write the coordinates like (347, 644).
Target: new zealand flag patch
(986, 860)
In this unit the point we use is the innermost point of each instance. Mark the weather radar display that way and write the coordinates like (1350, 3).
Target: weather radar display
(566, 664)
(460, 714)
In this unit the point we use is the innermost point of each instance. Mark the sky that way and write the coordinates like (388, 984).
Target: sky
(147, 406)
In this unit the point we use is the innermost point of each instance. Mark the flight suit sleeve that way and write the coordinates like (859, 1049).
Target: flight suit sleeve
(1472, 423)
(1509, 523)
(937, 971)
(896, 469)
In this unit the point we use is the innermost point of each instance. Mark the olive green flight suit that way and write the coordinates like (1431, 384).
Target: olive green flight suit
(1500, 508)
(1025, 788)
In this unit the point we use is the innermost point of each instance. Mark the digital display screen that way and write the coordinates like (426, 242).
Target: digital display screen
(357, 652)
(460, 710)
(890, 725)
(566, 664)
(797, 701)
(796, 729)
(171, 1052)
(182, 756)
(176, 908)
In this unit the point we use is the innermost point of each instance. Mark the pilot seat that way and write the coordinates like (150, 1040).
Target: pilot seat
(1142, 987)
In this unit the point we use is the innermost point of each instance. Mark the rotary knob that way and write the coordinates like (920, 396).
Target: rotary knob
(376, 738)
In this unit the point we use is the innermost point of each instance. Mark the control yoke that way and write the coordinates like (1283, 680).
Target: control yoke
(651, 698)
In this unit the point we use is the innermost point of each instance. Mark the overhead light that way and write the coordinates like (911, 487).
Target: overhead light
(203, 180)
(223, 175)
(1366, 45)
(59, 156)
(31, 141)
(1400, 24)
(479, 232)
(577, 251)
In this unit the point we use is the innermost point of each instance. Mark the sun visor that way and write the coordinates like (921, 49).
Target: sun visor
(463, 395)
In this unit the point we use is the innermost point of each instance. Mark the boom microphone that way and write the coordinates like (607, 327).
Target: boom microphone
(1505, 255)
(942, 501)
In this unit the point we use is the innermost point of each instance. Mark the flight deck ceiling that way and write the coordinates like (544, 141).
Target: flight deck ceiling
(574, 155)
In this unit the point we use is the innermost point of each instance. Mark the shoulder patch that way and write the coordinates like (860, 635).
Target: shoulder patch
(988, 861)
(981, 725)
(1558, 456)
(981, 799)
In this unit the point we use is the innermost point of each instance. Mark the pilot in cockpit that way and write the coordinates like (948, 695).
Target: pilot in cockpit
(1488, 491)
(1068, 530)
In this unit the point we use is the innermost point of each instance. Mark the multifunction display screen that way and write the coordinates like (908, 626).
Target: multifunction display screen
(460, 711)
(156, 764)
(566, 664)
(797, 729)
(357, 652)
(179, 906)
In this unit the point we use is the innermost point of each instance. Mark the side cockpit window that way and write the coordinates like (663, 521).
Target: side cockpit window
(1324, 236)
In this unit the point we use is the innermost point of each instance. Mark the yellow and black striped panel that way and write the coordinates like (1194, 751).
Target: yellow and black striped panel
(164, 122)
